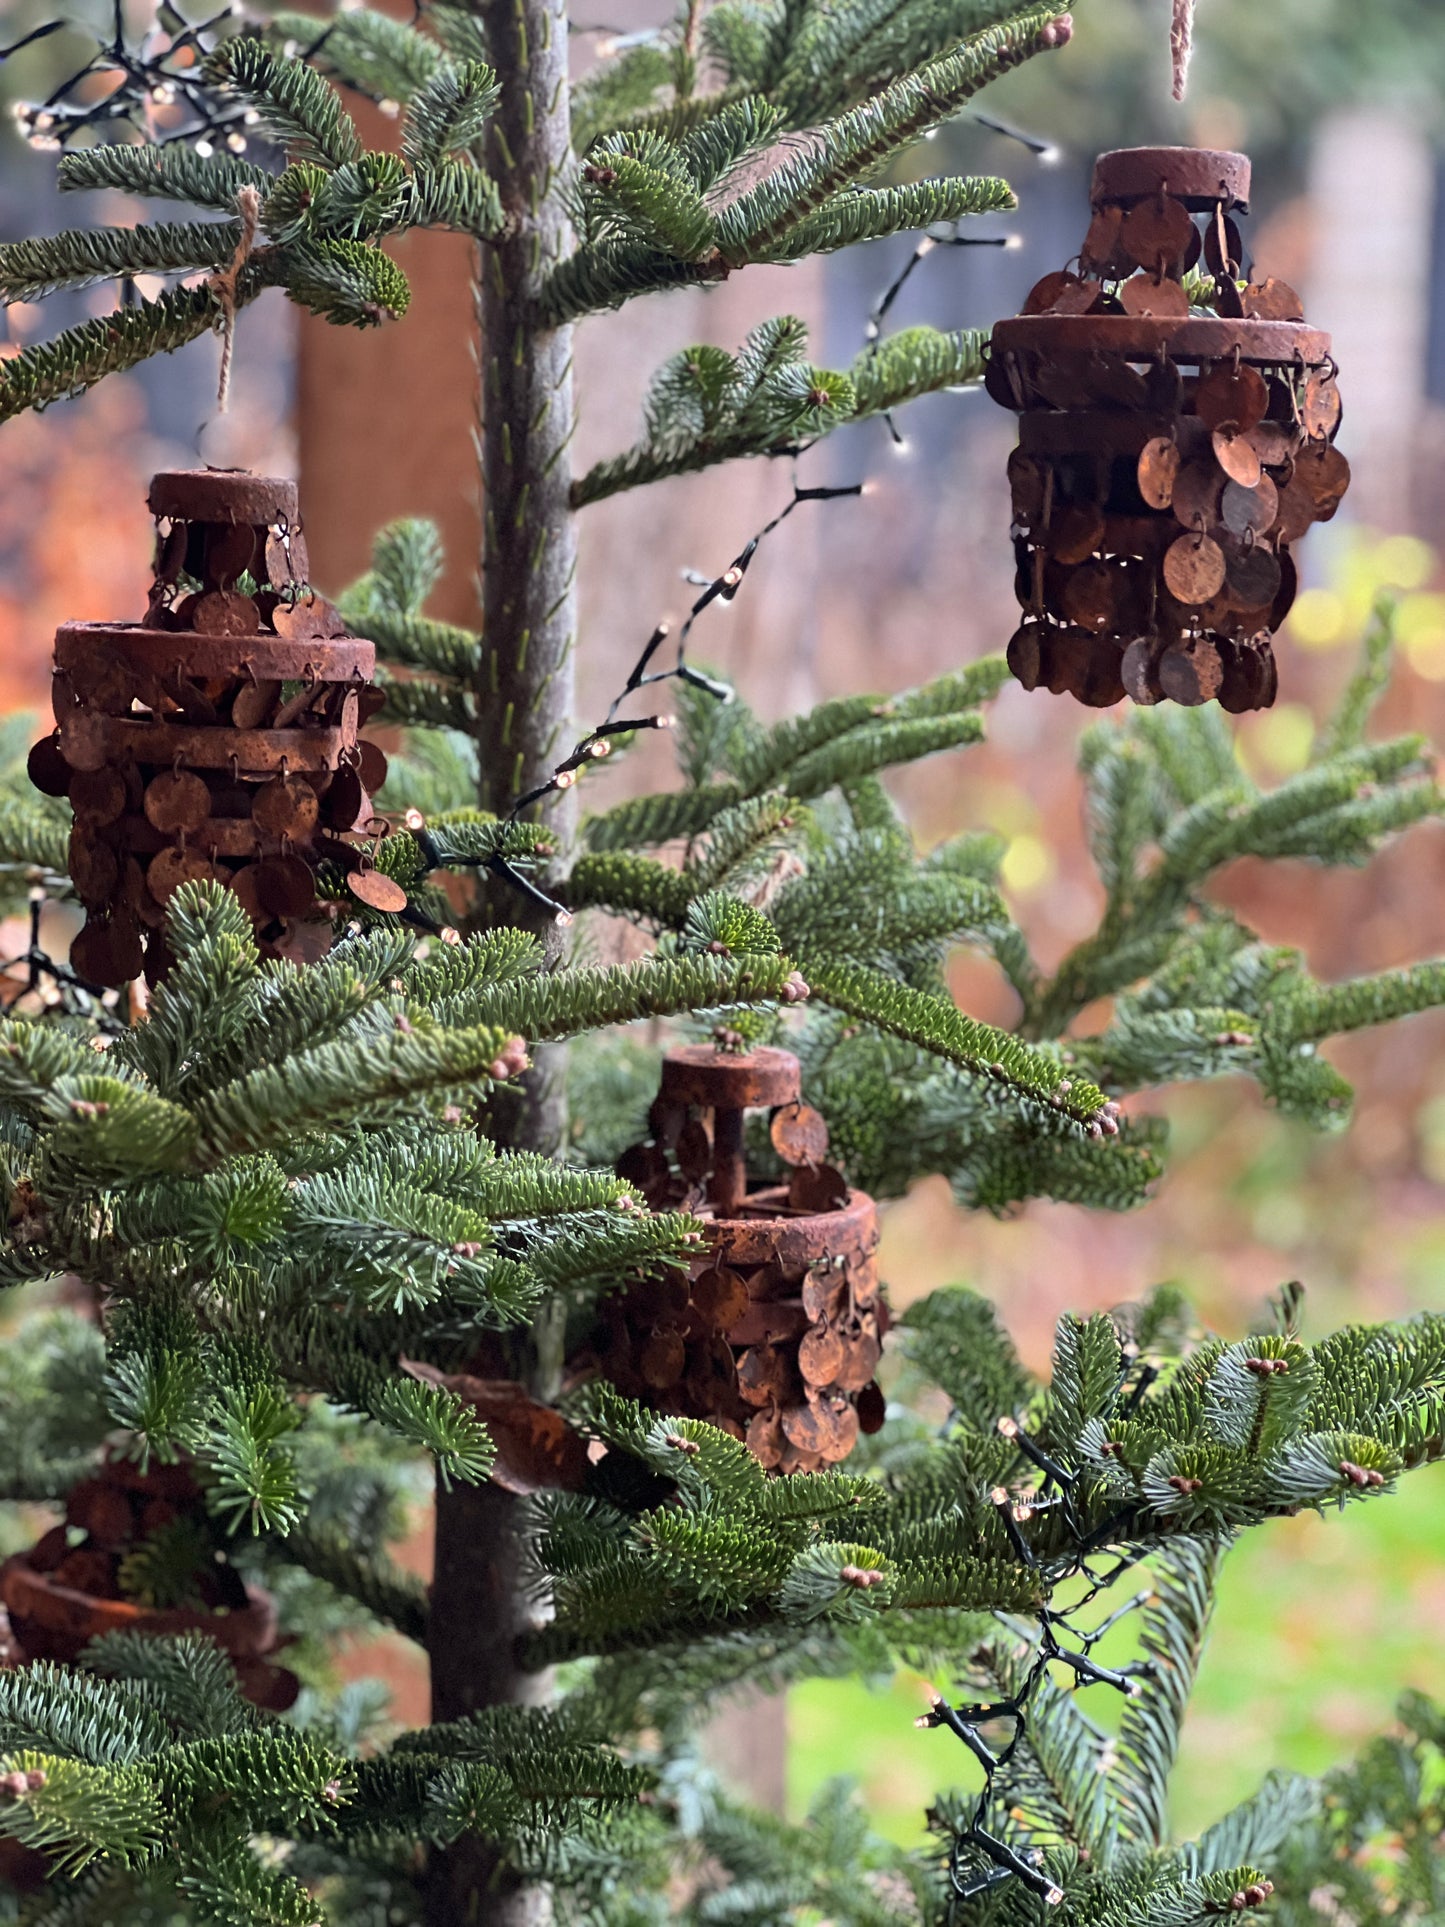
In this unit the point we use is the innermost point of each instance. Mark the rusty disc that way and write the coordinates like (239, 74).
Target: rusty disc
(221, 612)
(1254, 576)
(1223, 244)
(1236, 686)
(1249, 510)
(1074, 534)
(1101, 253)
(1321, 409)
(665, 1120)
(284, 886)
(762, 1375)
(1091, 596)
(821, 1354)
(799, 1134)
(1296, 512)
(861, 1354)
(757, 1079)
(663, 1358)
(177, 800)
(286, 806)
(137, 898)
(809, 1426)
(170, 553)
(1001, 380)
(376, 889)
(1158, 466)
(1273, 300)
(1274, 442)
(93, 866)
(1057, 379)
(1288, 589)
(230, 553)
(167, 872)
(1136, 670)
(823, 1293)
(1190, 672)
(1042, 296)
(221, 495)
(1026, 483)
(1228, 395)
(371, 767)
(47, 768)
(1026, 654)
(309, 619)
(1199, 177)
(254, 704)
(1194, 569)
(1325, 473)
(1163, 299)
(693, 1150)
(817, 1188)
(1081, 298)
(346, 800)
(764, 1437)
(643, 1165)
(1156, 233)
(872, 1409)
(245, 886)
(287, 564)
(1097, 681)
(108, 951)
(1237, 455)
(98, 795)
(720, 1296)
(1112, 383)
(1197, 489)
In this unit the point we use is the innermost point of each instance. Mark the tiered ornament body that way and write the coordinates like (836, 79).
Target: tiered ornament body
(219, 737)
(1177, 426)
(776, 1333)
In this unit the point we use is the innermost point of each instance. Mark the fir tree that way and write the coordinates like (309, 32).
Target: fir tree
(308, 1199)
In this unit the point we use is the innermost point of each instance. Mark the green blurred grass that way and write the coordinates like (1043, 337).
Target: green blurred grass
(1320, 1625)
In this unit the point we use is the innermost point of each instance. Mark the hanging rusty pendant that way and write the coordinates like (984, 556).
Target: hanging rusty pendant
(777, 1331)
(1176, 437)
(217, 738)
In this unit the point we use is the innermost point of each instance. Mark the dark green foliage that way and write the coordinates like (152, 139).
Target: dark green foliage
(281, 1190)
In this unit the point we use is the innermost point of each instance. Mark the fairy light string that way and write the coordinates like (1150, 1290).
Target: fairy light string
(980, 1857)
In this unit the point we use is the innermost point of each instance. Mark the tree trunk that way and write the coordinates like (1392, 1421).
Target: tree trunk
(524, 706)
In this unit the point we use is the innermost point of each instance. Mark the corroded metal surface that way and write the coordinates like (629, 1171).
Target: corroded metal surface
(218, 737)
(1177, 426)
(777, 1329)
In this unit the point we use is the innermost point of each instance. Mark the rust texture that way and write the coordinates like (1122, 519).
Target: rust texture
(218, 737)
(83, 1578)
(775, 1332)
(1176, 439)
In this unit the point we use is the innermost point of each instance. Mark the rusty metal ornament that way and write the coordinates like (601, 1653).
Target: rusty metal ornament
(1163, 388)
(71, 1586)
(217, 737)
(779, 1328)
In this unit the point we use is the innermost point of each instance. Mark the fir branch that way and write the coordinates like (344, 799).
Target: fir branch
(943, 1030)
(75, 360)
(31, 269)
(174, 172)
(297, 107)
(388, 1593)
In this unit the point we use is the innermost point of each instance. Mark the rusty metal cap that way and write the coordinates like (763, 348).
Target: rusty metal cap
(223, 495)
(739, 1081)
(1200, 177)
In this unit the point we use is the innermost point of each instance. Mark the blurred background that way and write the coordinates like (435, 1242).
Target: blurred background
(1343, 109)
